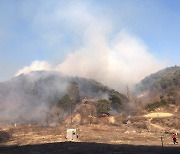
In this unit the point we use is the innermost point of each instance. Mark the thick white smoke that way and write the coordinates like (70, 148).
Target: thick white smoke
(124, 59)
(29, 98)
(35, 66)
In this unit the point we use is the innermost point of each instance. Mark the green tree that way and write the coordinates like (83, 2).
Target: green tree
(73, 92)
(115, 101)
(103, 106)
(65, 102)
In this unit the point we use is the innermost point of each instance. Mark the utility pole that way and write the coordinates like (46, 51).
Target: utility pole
(162, 150)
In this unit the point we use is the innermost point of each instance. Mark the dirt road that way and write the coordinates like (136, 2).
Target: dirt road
(155, 125)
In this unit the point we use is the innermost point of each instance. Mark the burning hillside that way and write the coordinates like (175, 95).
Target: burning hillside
(47, 98)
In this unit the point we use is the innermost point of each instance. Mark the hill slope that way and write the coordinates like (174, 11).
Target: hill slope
(161, 88)
(38, 96)
(162, 80)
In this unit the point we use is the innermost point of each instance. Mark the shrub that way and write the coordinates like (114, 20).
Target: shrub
(157, 104)
(103, 106)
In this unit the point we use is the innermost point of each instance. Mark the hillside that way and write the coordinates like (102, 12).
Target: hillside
(162, 80)
(48, 97)
(161, 88)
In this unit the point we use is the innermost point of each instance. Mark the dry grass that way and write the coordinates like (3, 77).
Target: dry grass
(171, 122)
(99, 128)
(125, 134)
(137, 131)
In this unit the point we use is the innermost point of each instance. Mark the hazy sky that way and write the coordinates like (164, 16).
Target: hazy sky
(65, 35)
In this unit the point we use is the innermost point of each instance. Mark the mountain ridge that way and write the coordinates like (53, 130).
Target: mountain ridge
(30, 97)
(161, 88)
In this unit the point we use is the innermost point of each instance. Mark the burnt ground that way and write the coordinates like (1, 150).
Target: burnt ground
(88, 148)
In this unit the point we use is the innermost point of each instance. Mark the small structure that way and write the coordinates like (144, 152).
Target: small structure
(71, 135)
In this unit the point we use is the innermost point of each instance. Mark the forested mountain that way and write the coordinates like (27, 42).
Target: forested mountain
(161, 88)
(163, 80)
(36, 96)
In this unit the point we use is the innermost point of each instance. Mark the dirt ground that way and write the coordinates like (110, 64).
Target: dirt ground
(24, 135)
(110, 139)
(141, 134)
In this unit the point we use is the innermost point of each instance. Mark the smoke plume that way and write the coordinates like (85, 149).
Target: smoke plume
(114, 58)
(126, 60)
(35, 66)
(29, 98)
